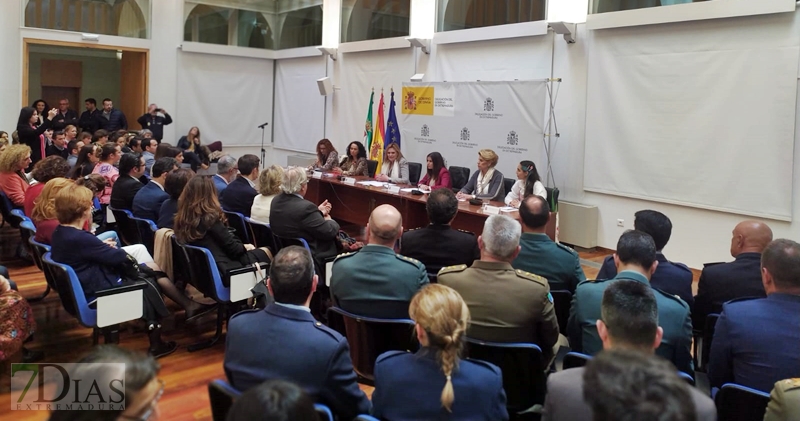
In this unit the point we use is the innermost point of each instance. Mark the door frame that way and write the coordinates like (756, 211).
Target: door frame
(27, 42)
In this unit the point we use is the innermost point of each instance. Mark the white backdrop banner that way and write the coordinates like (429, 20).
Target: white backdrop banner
(457, 119)
(299, 108)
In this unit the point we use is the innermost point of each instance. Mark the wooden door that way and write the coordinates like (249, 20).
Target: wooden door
(53, 94)
(133, 87)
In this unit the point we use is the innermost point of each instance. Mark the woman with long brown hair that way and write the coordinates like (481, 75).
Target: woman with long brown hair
(327, 156)
(466, 389)
(197, 154)
(200, 222)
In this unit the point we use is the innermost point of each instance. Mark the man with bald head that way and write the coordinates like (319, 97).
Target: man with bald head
(376, 281)
(721, 282)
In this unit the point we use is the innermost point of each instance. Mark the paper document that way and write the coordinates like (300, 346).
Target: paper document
(508, 209)
(372, 183)
(409, 189)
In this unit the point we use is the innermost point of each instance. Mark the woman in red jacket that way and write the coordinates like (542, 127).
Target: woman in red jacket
(13, 162)
(437, 177)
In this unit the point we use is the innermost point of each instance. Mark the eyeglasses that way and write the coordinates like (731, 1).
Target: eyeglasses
(150, 408)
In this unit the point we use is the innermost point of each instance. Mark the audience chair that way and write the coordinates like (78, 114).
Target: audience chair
(147, 232)
(686, 376)
(126, 227)
(8, 211)
(27, 232)
(414, 172)
(281, 242)
(261, 234)
(323, 412)
(739, 403)
(237, 221)
(575, 360)
(221, 395)
(104, 314)
(552, 198)
(458, 177)
(366, 418)
(38, 250)
(523, 369)
(508, 183)
(368, 338)
(372, 167)
(562, 300)
(708, 337)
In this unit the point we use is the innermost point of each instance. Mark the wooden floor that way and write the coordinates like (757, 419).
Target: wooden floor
(186, 374)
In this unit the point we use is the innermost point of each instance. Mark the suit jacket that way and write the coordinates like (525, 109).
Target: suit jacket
(149, 160)
(564, 399)
(238, 196)
(147, 201)
(442, 181)
(727, 281)
(506, 305)
(376, 282)
(784, 401)
(123, 192)
(227, 249)
(671, 278)
(88, 121)
(402, 378)
(61, 121)
(673, 317)
(115, 121)
(756, 342)
(495, 191)
(94, 262)
(292, 216)
(53, 150)
(281, 342)
(166, 215)
(219, 183)
(14, 185)
(559, 264)
(425, 245)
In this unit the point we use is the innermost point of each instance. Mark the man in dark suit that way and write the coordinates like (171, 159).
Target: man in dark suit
(65, 116)
(721, 282)
(756, 341)
(284, 341)
(292, 216)
(226, 172)
(131, 167)
(559, 264)
(629, 321)
(438, 245)
(59, 145)
(375, 281)
(670, 277)
(239, 195)
(147, 201)
(635, 260)
(89, 119)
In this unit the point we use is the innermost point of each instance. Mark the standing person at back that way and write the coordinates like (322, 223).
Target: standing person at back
(376, 282)
(507, 305)
(111, 119)
(239, 195)
(438, 245)
(670, 277)
(154, 122)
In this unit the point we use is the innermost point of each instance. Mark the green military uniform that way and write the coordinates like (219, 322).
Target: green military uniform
(559, 264)
(376, 282)
(784, 402)
(673, 317)
(505, 305)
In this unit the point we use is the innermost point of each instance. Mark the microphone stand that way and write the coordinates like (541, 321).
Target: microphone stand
(263, 151)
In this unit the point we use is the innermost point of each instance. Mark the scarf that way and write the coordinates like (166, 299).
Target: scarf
(391, 169)
(483, 181)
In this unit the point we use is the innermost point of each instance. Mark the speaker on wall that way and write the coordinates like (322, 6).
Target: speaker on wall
(325, 86)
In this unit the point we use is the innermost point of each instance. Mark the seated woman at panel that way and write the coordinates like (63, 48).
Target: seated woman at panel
(99, 266)
(13, 181)
(44, 171)
(487, 182)
(110, 154)
(437, 175)
(527, 183)
(200, 222)
(472, 389)
(395, 167)
(88, 157)
(327, 157)
(269, 186)
(356, 161)
(174, 185)
(197, 154)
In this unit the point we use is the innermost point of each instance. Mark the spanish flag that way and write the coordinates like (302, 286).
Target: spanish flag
(375, 152)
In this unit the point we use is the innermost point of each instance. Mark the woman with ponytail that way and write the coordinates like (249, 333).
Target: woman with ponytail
(435, 383)
(528, 183)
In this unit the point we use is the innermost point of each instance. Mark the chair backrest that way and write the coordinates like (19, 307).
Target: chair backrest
(261, 234)
(147, 232)
(552, 198)
(27, 231)
(323, 412)
(458, 176)
(368, 338)
(738, 403)
(237, 222)
(221, 395)
(508, 183)
(562, 300)
(38, 251)
(204, 273)
(126, 228)
(708, 337)
(71, 292)
(372, 167)
(5, 207)
(523, 370)
(575, 360)
(281, 242)
(414, 172)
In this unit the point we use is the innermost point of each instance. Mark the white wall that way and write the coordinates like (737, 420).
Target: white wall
(11, 70)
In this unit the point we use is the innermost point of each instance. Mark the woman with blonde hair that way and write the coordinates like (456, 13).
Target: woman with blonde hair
(13, 181)
(487, 182)
(395, 167)
(269, 186)
(466, 389)
(195, 152)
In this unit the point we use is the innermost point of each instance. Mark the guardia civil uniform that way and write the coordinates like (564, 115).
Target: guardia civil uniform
(557, 263)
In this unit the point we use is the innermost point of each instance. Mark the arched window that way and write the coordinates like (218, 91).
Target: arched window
(123, 18)
(225, 26)
(254, 31)
(374, 19)
(466, 14)
(302, 28)
(207, 24)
